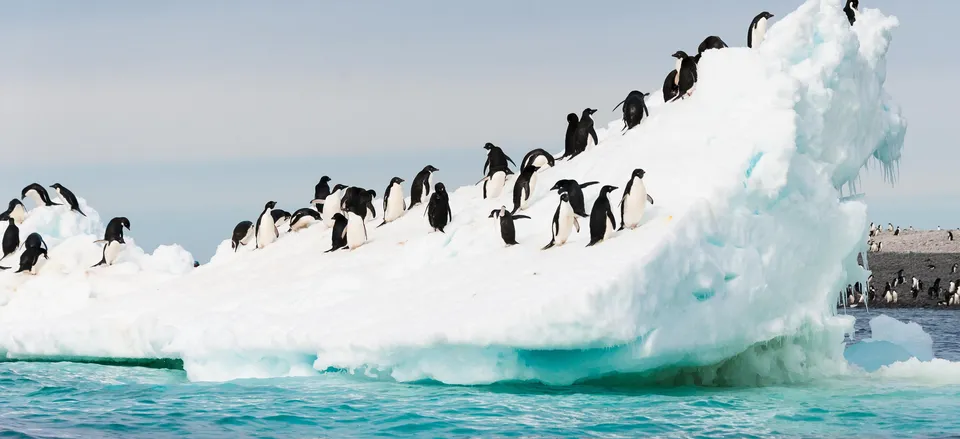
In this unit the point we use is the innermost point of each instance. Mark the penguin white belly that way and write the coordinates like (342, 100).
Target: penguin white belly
(533, 186)
(35, 197)
(18, 214)
(112, 251)
(888, 297)
(394, 204)
(331, 207)
(894, 295)
(611, 227)
(246, 239)
(268, 231)
(302, 223)
(495, 184)
(635, 204)
(565, 224)
(760, 32)
(541, 163)
(356, 231)
(676, 79)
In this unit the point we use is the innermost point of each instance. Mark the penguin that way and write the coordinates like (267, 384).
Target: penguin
(890, 295)
(356, 231)
(634, 200)
(280, 216)
(602, 222)
(38, 194)
(954, 268)
(634, 108)
(11, 239)
(711, 42)
(539, 158)
(950, 235)
(686, 74)
(29, 260)
(670, 89)
(394, 204)
(362, 198)
(852, 9)
(114, 230)
(889, 227)
(438, 210)
(493, 184)
(242, 234)
(303, 218)
(111, 252)
(420, 189)
(507, 231)
(339, 233)
(584, 129)
(569, 143)
(758, 29)
(34, 240)
(14, 210)
(331, 204)
(68, 197)
(496, 160)
(897, 231)
(523, 188)
(266, 229)
(564, 219)
(576, 193)
(899, 280)
(934, 291)
(321, 191)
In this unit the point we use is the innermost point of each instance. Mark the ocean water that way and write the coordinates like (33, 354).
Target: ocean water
(47, 400)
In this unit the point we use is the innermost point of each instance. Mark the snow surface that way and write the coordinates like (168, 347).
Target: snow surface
(732, 272)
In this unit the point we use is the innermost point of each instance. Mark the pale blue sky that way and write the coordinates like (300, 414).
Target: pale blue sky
(186, 116)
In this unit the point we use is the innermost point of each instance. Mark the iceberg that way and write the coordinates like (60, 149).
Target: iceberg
(891, 341)
(730, 279)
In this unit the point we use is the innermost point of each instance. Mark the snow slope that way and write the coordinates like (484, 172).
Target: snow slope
(731, 278)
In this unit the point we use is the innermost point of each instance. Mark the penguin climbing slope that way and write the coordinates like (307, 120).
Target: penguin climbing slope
(266, 229)
(575, 191)
(507, 231)
(420, 188)
(634, 200)
(394, 205)
(38, 194)
(438, 209)
(602, 221)
(686, 77)
(67, 196)
(564, 221)
(242, 234)
(634, 108)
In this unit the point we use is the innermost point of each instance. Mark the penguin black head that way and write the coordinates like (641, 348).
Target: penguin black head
(489, 146)
(439, 187)
(430, 168)
(560, 185)
(33, 186)
(338, 217)
(572, 118)
(680, 55)
(765, 14)
(372, 193)
(587, 112)
(339, 187)
(639, 173)
(396, 180)
(853, 4)
(14, 203)
(324, 179)
(607, 189)
(270, 205)
(57, 186)
(196, 264)
(123, 221)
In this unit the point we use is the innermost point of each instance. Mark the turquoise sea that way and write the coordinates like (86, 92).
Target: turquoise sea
(69, 400)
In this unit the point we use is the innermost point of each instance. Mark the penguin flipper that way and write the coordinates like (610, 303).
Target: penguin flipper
(4, 268)
(593, 133)
(618, 105)
(588, 184)
(516, 217)
(649, 198)
(576, 224)
(510, 160)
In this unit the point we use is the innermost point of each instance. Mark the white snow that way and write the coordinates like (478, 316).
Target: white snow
(747, 243)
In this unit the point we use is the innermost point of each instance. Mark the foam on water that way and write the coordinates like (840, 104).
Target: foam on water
(731, 277)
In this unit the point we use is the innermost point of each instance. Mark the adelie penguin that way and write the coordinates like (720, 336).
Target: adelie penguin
(602, 221)
(575, 191)
(495, 170)
(266, 229)
(634, 108)
(114, 230)
(11, 239)
(438, 210)
(758, 29)
(539, 158)
(507, 231)
(686, 74)
(242, 234)
(852, 9)
(356, 232)
(363, 198)
(29, 259)
(711, 42)
(584, 130)
(280, 216)
(523, 188)
(633, 203)
(670, 89)
(420, 189)
(16, 211)
(331, 204)
(394, 204)
(38, 194)
(564, 221)
(68, 197)
(111, 251)
(339, 232)
(34, 240)
(321, 191)
(569, 140)
(303, 218)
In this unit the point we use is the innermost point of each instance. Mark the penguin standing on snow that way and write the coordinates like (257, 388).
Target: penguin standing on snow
(569, 140)
(634, 200)
(539, 158)
(38, 194)
(852, 9)
(114, 230)
(330, 204)
(711, 42)
(355, 210)
(523, 188)
(242, 234)
(507, 231)
(420, 189)
(11, 239)
(67, 196)
(394, 205)
(14, 210)
(602, 222)
(280, 217)
(495, 170)
(584, 129)
(266, 229)
(29, 260)
(339, 233)
(634, 108)
(303, 218)
(34, 240)
(564, 220)
(321, 191)
(438, 209)
(575, 191)
(758, 29)
(670, 89)
(686, 74)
